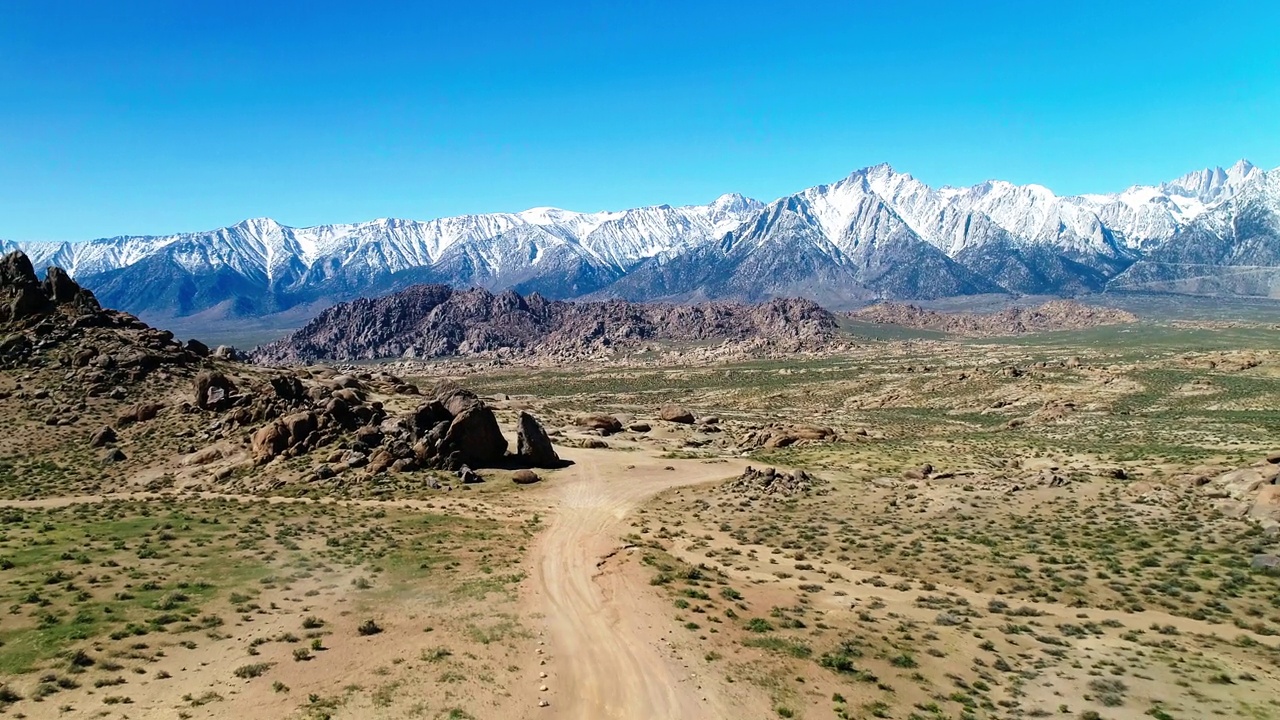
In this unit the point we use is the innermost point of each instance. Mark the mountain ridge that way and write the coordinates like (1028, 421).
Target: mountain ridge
(875, 234)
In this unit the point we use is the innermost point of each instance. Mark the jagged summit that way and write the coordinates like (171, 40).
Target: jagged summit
(1213, 184)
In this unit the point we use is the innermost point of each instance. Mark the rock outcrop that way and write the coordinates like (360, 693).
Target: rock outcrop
(771, 481)
(1251, 493)
(217, 415)
(452, 429)
(474, 437)
(779, 436)
(212, 389)
(55, 322)
(24, 296)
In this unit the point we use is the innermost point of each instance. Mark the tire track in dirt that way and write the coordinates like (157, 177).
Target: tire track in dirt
(605, 663)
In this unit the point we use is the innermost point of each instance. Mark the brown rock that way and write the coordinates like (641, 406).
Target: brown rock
(21, 295)
(676, 414)
(346, 381)
(139, 412)
(370, 436)
(456, 399)
(533, 445)
(104, 436)
(62, 290)
(606, 424)
(203, 457)
(299, 425)
(524, 477)
(381, 460)
(13, 344)
(212, 390)
(428, 415)
(475, 436)
(269, 441)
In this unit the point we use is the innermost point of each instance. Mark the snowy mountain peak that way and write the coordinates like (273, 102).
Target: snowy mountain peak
(1242, 169)
(260, 227)
(1213, 185)
(734, 202)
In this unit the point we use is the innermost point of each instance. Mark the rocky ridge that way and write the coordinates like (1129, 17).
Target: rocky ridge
(1052, 315)
(430, 321)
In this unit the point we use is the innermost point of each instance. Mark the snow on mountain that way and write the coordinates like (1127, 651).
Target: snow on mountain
(877, 232)
(1231, 249)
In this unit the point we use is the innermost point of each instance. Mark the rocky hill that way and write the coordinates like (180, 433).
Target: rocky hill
(55, 322)
(95, 400)
(429, 321)
(1053, 315)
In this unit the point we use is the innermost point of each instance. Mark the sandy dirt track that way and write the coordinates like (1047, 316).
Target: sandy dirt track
(604, 660)
(601, 627)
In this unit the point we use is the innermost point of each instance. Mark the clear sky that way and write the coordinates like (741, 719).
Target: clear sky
(153, 117)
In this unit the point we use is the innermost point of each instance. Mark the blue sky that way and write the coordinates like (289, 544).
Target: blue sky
(154, 117)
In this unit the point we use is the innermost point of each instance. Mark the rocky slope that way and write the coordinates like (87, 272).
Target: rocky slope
(878, 233)
(1053, 315)
(428, 321)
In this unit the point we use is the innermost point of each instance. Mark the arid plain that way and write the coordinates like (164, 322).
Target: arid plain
(1072, 524)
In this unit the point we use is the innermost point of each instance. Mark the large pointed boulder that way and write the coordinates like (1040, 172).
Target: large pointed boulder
(475, 438)
(533, 445)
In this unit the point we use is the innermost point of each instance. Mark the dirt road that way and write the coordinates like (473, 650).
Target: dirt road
(604, 660)
(602, 627)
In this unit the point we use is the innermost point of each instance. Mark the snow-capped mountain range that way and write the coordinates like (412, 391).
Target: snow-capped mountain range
(878, 233)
